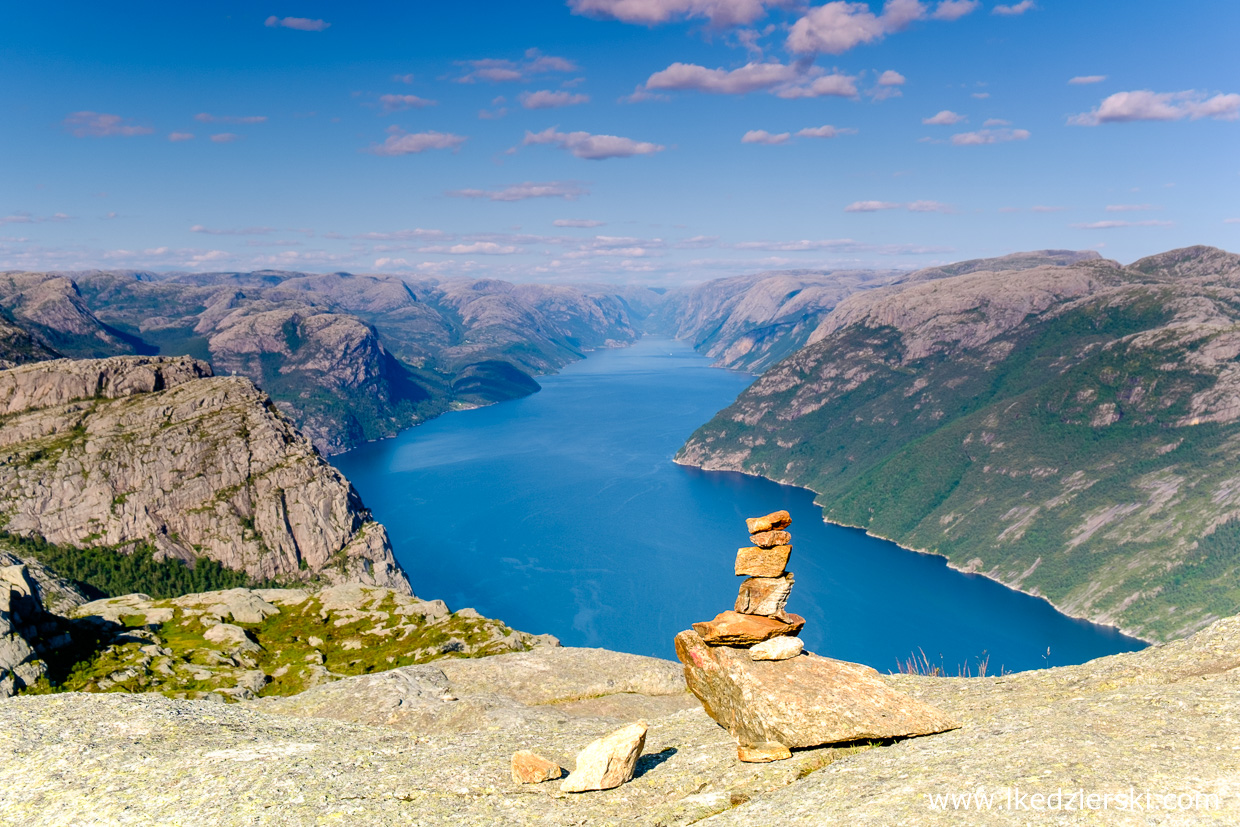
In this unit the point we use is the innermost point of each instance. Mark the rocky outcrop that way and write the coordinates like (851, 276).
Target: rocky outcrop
(51, 310)
(1068, 429)
(1160, 721)
(156, 450)
(607, 762)
(240, 644)
(24, 631)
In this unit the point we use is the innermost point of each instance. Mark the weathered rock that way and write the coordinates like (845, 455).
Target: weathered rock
(777, 648)
(232, 637)
(803, 702)
(770, 522)
(762, 562)
(20, 614)
(607, 762)
(156, 450)
(530, 768)
(764, 595)
(735, 629)
(770, 539)
(762, 753)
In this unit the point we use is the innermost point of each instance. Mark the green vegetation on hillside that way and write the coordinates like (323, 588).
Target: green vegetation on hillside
(106, 572)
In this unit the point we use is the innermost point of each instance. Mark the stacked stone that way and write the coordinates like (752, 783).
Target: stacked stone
(758, 619)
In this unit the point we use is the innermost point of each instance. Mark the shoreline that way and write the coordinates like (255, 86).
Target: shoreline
(947, 560)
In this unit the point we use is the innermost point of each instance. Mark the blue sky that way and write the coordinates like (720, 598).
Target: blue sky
(644, 141)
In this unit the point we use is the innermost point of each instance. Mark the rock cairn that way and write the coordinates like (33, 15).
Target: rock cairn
(752, 675)
(759, 611)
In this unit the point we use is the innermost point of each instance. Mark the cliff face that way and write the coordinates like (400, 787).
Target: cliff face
(1072, 431)
(349, 357)
(118, 451)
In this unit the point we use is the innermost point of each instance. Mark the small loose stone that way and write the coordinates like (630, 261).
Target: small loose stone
(770, 522)
(777, 648)
(770, 539)
(762, 753)
(531, 768)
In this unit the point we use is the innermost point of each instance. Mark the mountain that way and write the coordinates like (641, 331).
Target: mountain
(1069, 429)
(750, 322)
(350, 358)
(156, 455)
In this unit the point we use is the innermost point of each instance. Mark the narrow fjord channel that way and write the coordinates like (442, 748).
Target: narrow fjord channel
(563, 512)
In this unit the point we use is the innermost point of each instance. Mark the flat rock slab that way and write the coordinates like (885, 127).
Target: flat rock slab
(531, 768)
(770, 539)
(777, 648)
(754, 561)
(769, 522)
(736, 629)
(803, 702)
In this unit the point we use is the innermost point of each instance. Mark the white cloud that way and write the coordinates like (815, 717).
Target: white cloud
(1110, 225)
(929, 206)
(837, 85)
(568, 190)
(825, 131)
(180, 136)
(225, 137)
(996, 122)
(485, 248)
(544, 99)
(911, 206)
(495, 70)
(1015, 9)
(101, 125)
(989, 136)
(752, 77)
(761, 136)
(838, 26)
(796, 80)
(718, 12)
(400, 142)
(1231, 220)
(198, 228)
(1129, 207)
(301, 24)
(583, 223)
(592, 147)
(980, 95)
(891, 78)
(944, 118)
(1145, 105)
(1082, 80)
(401, 235)
(872, 206)
(955, 9)
(1047, 209)
(405, 79)
(28, 218)
(207, 117)
(395, 103)
(391, 262)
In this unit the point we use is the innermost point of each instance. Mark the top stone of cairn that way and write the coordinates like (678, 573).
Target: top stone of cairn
(772, 521)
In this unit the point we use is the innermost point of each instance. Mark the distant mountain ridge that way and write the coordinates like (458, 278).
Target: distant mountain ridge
(349, 357)
(1072, 430)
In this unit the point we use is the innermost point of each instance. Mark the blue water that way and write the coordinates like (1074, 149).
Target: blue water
(563, 513)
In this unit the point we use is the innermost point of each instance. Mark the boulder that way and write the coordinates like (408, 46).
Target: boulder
(736, 629)
(531, 768)
(777, 648)
(764, 595)
(803, 702)
(763, 753)
(753, 561)
(772, 521)
(609, 761)
(770, 539)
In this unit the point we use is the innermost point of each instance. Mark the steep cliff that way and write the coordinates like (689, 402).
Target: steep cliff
(158, 451)
(1072, 431)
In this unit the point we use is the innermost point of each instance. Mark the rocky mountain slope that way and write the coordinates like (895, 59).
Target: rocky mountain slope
(1070, 430)
(348, 357)
(157, 453)
(430, 745)
(751, 322)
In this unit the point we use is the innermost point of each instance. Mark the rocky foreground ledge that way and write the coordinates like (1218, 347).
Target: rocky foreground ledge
(431, 745)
